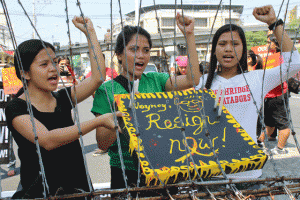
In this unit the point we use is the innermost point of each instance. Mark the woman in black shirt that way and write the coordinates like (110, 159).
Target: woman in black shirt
(57, 135)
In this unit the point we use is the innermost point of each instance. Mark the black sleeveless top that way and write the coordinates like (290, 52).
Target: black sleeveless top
(64, 166)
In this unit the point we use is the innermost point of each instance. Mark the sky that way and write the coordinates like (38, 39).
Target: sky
(51, 16)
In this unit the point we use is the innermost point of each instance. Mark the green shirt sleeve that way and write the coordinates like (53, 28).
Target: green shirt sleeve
(153, 82)
(101, 104)
(163, 79)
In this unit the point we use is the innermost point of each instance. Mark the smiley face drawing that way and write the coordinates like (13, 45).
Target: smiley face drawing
(191, 105)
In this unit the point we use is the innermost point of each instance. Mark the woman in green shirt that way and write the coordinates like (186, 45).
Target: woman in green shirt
(135, 60)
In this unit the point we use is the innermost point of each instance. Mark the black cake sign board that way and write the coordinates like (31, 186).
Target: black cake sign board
(164, 119)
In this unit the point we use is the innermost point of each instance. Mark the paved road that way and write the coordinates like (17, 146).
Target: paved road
(287, 165)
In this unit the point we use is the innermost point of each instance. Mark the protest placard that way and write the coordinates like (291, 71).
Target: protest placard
(162, 147)
(11, 83)
(270, 59)
(261, 50)
(4, 132)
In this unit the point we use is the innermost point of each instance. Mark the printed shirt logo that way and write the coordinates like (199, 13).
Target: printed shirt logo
(235, 95)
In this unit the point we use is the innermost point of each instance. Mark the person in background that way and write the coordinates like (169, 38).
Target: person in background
(66, 72)
(182, 64)
(273, 43)
(274, 48)
(107, 39)
(275, 115)
(254, 61)
(203, 67)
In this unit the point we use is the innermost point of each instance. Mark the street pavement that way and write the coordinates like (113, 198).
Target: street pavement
(98, 166)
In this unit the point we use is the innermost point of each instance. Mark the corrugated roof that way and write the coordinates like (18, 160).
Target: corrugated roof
(235, 8)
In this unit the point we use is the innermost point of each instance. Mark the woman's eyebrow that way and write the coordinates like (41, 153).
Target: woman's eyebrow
(136, 46)
(223, 40)
(42, 61)
(46, 60)
(235, 40)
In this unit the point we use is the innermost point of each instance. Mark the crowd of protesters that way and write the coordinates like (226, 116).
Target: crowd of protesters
(59, 136)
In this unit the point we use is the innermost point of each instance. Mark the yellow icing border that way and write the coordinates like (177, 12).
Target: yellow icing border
(207, 169)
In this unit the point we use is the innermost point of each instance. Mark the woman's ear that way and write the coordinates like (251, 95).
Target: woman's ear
(25, 75)
(119, 57)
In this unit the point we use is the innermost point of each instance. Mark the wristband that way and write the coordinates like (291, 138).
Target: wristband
(275, 24)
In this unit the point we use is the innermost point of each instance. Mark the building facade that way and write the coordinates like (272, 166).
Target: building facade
(6, 47)
(160, 19)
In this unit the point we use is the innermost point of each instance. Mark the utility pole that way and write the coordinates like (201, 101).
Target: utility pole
(34, 15)
(33, 19)
(3, 35)
(137, 12)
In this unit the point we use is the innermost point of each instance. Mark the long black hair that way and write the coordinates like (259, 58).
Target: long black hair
(129, 32)
(26, 52)
(272, 38)
(213, 58)
(256, 59)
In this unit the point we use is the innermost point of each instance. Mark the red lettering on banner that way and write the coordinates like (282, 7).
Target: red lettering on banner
(231, 100)
(236, 99)
(247, 88)
(249, 97)
(227, 100)
(241, 98)
(226, 91)
(236, 93)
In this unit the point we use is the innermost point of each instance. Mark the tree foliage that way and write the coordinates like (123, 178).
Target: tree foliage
(294, 25)
(255, 38)
(294, 21)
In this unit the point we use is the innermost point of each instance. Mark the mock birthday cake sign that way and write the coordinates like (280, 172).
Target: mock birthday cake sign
(165, 118)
